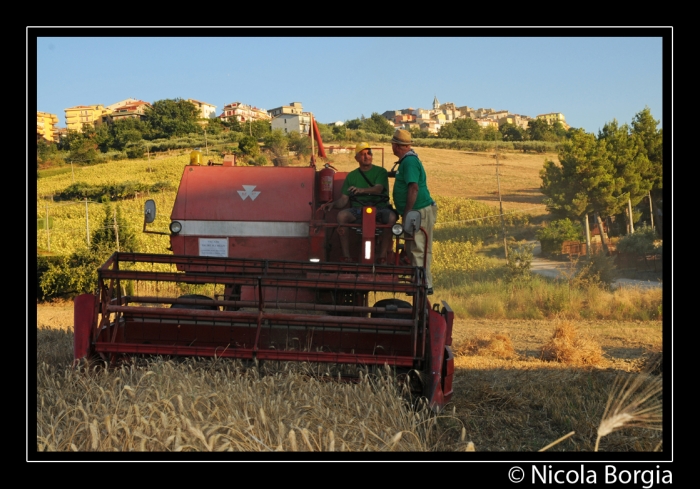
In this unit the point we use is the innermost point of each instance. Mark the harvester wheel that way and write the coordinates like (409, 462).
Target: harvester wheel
(195, 306)
(391, 303)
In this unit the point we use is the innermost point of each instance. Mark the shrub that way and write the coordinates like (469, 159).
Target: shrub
(71, 275)
(135, 151)
(42, 266)
(599, 269)
(248, 146)
(520, 260)
(260, 160)
(277, 143)
(300, 144)
(553, 236)
(642, 241)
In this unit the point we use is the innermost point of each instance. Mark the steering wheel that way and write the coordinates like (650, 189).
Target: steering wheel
(369, 199)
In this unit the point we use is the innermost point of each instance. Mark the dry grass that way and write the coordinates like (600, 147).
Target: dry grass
(569, 346)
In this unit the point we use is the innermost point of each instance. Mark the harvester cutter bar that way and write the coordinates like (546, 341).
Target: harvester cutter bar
(307, 306)
(249, 354)
(248, 316)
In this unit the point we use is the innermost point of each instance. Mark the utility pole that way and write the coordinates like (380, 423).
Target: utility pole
(87, 223)
(588, 236)
(116, 228)
(46, 226)
(205, 141)
(500, 203)
(311, 133)
(651, 212)
(629, 209)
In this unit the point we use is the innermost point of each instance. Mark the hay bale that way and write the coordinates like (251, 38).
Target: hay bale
(569, 346)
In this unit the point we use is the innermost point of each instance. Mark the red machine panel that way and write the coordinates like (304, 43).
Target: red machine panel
(244, 212)
(239, 193)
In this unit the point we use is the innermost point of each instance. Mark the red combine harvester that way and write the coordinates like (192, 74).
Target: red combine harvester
(271, 285)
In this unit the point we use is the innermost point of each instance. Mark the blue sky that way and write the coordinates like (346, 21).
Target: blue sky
(591, 80)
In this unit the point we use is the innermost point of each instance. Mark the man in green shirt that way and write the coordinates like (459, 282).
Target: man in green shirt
(411, 193)
(369, 186)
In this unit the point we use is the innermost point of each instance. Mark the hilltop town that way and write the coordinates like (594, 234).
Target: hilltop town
(289, 118)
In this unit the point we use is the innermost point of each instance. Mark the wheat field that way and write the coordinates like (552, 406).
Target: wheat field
(517, 388)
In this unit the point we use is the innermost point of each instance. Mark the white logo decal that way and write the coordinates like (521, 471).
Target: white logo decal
(248, 192)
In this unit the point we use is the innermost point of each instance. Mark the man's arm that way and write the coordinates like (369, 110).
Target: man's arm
(375, 190)
(336, 204)
(411, 197)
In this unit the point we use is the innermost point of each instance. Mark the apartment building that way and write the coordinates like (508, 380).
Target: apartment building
(287, 123)
(243, 113)
(289, 118)
(553, 117)
(293, 108)
(46, 126)
(85, 114)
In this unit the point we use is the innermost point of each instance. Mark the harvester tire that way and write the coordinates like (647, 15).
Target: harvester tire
(398, 303)
(195, 306)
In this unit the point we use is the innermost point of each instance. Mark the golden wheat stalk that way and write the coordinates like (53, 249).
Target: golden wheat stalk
(634, 403)
(557, 441)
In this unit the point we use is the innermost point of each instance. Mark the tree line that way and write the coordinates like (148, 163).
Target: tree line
(606, 174)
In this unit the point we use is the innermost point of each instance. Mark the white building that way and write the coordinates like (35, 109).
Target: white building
(206, 111)
(292, 122)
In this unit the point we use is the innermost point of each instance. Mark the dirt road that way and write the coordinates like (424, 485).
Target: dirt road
(563, 269)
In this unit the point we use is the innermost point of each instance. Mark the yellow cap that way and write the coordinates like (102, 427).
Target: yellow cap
(360, 147)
